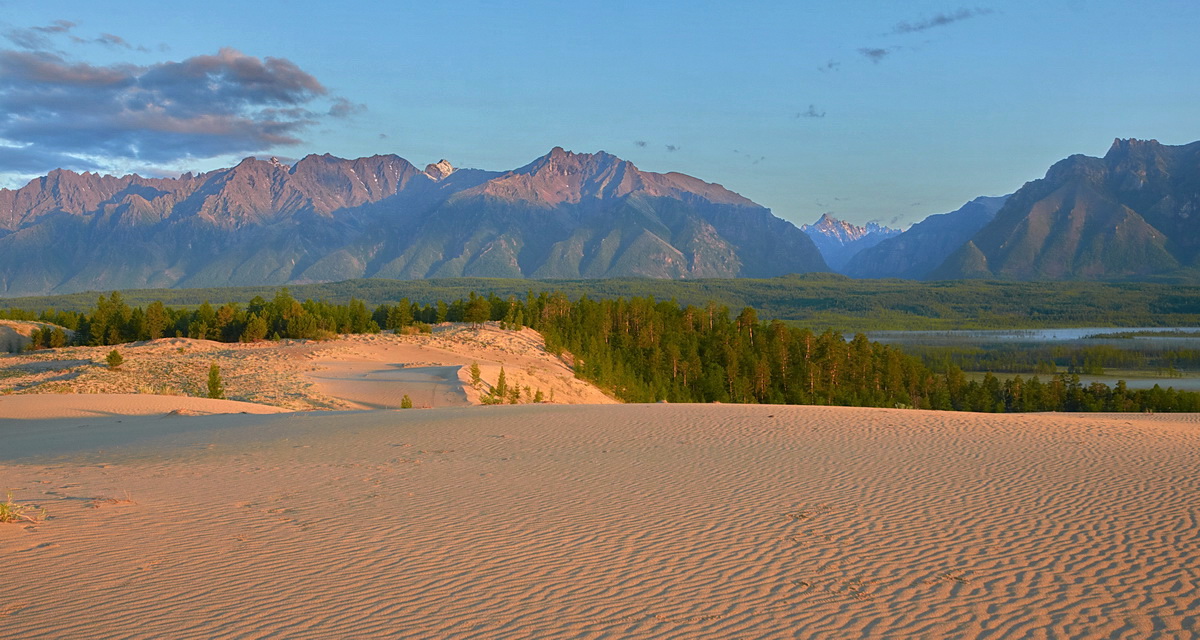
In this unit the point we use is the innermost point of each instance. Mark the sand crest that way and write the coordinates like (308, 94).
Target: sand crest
(646, 521)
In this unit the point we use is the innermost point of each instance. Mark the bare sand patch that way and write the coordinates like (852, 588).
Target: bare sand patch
(647, 521)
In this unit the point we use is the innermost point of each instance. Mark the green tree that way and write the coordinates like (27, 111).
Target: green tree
(256, 329)
(406, 402)
(114, 360)
(475, 375)
(400, 316)
(156, 320)
(478, 310)
(216, 389)
(500, 391)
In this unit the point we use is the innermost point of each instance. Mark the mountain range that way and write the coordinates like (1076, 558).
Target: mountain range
(1133, 214)
(564, 215)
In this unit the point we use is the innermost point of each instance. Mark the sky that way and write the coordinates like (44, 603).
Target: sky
(868, 110)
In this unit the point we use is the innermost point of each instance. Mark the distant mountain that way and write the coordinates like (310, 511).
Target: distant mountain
(564, 215)
(1135, 213)
(839, 241)
(925, 245)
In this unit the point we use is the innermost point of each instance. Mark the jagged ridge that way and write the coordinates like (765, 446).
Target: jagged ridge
(325, 218)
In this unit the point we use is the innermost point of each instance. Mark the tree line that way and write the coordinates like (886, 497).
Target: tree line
(812, 300)
(641, 349)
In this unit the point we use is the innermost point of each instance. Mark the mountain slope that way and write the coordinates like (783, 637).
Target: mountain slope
(1133, 214)
(914, 253)
(563, 215)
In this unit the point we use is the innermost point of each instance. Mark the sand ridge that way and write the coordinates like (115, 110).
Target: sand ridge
(656, 521)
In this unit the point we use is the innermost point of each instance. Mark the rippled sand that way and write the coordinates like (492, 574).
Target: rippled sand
(632, 521)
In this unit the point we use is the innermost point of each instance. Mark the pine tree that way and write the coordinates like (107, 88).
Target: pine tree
(256, 329)
(216, 389)
(478, 310)
(501, 388)
(475, 375)
(114, 360)
(406, 402)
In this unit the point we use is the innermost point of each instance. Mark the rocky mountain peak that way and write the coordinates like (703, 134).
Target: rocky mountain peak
(562, 162)
(1123, 146)
(439, 170)
(846, 232)
(839, 241)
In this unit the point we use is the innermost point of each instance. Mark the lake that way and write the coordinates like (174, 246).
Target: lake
(1189, 338)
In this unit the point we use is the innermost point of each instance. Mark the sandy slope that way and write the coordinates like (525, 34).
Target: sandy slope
(14, 334)
(351, 372)
(646, 521)
(375, 372)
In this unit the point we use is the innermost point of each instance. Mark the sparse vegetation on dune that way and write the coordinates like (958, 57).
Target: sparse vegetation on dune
(11, 511)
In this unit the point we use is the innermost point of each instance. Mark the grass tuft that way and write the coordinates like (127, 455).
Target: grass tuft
(15, 512)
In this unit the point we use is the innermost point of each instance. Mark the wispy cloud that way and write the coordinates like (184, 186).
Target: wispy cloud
(811, 113)
(40, 38)
(750, 158)
(939, 20)
(832, 65)
(343, 108)
(32, 38)
(875, 54)
(641, 144)
(672, 148)
(878, 54)
(116, 42)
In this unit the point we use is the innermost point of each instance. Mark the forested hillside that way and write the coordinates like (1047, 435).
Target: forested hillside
(812, 300)
(641, 349)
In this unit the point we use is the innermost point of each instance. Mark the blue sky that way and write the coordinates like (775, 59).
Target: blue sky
(880, 111)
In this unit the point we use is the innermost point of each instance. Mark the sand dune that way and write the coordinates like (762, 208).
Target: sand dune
(646, 521)
(375, 372)
(351, 372)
